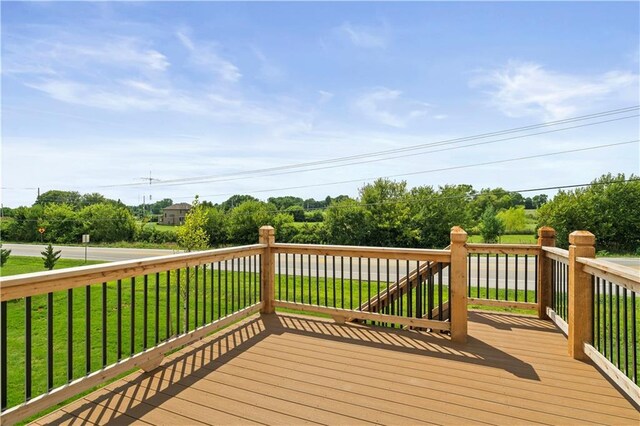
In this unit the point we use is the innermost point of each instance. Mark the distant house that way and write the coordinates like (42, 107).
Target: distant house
(174, 214)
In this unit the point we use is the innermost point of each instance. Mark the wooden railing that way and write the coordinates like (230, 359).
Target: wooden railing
(100, 321)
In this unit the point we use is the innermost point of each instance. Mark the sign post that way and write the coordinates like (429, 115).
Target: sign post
(41, 231)
(85, 241)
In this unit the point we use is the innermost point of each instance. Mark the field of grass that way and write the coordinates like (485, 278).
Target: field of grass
(508, 239)
(162, 228)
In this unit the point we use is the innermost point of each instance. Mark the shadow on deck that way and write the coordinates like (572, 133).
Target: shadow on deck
(289, 369)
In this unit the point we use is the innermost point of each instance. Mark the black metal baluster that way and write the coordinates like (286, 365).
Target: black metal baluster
(342, 282)
(301, 278)
(104, 325)
(333, 279)
(611, 321)
(204, 294)
(212, 293)
(260, 263)
(157, 310)
(167, 324)
(526, 278)
(87, 332)
(506, 277)
(409, 293)
(279, 277)
(516, 275)
(49, 343)
(378, 281)
(418, 290)
(69, 335)
(286, 273)
(497, 275)
(145, 310)
(604, 318)
(634, 343)
(220, 289)
(398, 289)
(359, 283)
(478, 275)
(369, 282)
(3, 353)
(535, 277)
(233, 285)
(178, 307)
(195, 298)
(389, 304)
(440, 289)
(596, 313)
(309, 271)
(326, 283)
(244, 280)
(294, 278)
(317, 280)
(468, 275)
(431, 298)
(187, 290)
(119, 319)
(133, 317)
(27, 348)
(488, 295)
(626, 334)
(618, 326)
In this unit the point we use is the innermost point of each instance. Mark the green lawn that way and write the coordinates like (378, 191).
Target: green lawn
(163, 228)
(508, 239)
(24, 265)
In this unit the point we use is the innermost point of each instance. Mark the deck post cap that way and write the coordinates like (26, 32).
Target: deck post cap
(458, 235)
(546, 232)
(582, 238)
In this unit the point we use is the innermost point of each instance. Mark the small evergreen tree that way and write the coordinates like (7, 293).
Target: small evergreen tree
(4, 255)
(491, 227)
(50, 257)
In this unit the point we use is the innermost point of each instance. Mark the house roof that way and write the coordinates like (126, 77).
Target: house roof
(179, 206)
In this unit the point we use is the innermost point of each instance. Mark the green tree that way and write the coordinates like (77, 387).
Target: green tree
(346, 223)
(25, 224)
(609, 208)
(60, 197)
(216, 226)
(246, 219)
(192, 235)
(61, 223)
(491, 227)
(236, 200)
(50, 257)
(387, 213)
(283, 203)
(4, 255)
(514, 219)
(297, 212)
(107, 222)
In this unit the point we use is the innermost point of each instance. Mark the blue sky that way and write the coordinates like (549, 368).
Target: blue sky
(97, 95)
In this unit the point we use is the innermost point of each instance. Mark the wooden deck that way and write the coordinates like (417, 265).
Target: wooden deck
(285, 369)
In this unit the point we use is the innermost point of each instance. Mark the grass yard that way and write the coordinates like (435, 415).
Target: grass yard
(24, 264)
(508, 239)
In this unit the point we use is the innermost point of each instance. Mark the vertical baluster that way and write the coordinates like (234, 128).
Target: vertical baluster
(468, 274)
(359, 283)
(220, 290)
(369, 283)
(286, 273)
(3, 353)
(535, 277)
(226, 289)
(204, 294)
(294, 278)
(611, 321)
(212, 293)
(618, 326)
(178, 307)
(195, 298)
(69, 335)
(301, 278)
(233, 285)
(626, 333)
(260, 263)
(279, 277)
(145, 310)
(486, 274)
(478, 275)
(333, 279)
(605, 346)
(634, 343)
(309, 273)
(132, 335)
(596, 312)
(104, 325)
(440, 289)
(398, 288)
(49, 343)
(317, 280)
(418, 290)
(516, 275)
(167, 324)
(157, 310)
(388, 303)
(342, 282)
(497, 274)
(431, 298)
(87, 332)
(27, 348)
(506, 277)
(378, 281)
(119, 319)
(409, 292)
(326, 283)
(244, 281)
(526, 278)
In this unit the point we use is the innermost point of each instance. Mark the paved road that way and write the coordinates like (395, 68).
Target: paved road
(525, 269)
(93, 253)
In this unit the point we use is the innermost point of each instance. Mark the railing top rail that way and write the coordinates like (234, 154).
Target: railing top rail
(624, 276)
(357, 251)
(17, 286)
(503, 248)
(557, 251)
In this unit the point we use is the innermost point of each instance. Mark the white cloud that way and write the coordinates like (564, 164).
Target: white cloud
(325, 96)
(204, 55)
(388, 107)
(363, 36)
(528, 89)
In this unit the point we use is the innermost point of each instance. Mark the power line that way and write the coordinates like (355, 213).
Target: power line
(398, 156)
(431, 170)
(403, 149)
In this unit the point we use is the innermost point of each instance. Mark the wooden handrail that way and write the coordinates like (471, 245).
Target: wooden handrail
(503, 248)
(18, 286)
(623, 276)
(356, 251)
(557, 251)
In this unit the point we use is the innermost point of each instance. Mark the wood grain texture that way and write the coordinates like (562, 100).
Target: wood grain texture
(364, 252)
(292, 369)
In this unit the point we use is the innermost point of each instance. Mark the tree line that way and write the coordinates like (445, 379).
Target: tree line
(385, 213)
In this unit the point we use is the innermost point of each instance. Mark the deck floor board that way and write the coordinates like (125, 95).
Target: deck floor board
(288, 369)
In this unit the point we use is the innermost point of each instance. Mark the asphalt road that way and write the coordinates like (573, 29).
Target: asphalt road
(524, 268)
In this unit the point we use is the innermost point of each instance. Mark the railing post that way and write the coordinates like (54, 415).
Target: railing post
(580, 293)
(546, 238)
(458, 271)
(267, 277)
